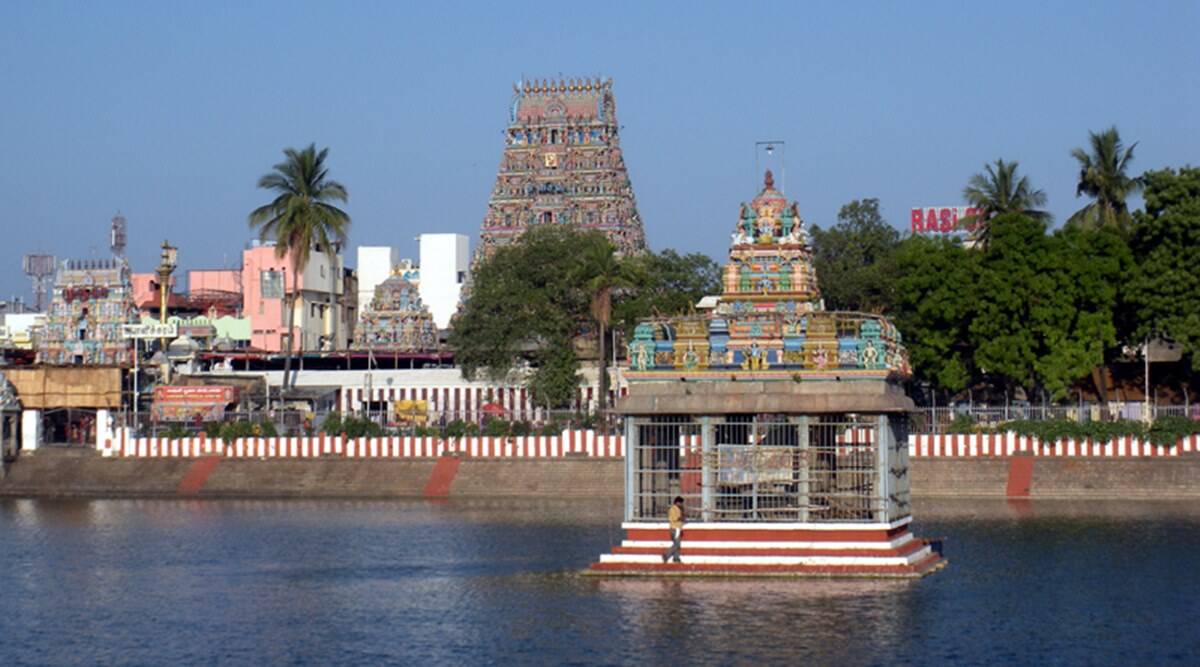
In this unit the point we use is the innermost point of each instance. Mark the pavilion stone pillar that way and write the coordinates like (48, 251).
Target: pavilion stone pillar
(631, 450)
(801, 423)
(708, 471)
(884, 440)
(31, 429)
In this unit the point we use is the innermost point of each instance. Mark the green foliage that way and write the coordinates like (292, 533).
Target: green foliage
(230, 431)
(175, 431)
(332, 424)
(301, 217)
(1031, 311)
(350, 426)
(1049, 430)
(855, 259)
(962, 423)
(1167, 431)
(934, 307)
(460, 429)
(531, 299)
(667, 284)
(528, 302)
(998, 191)
(496, 428)
(1079, 325)
(1164, 431)
(1165, 294)
(1103, 177)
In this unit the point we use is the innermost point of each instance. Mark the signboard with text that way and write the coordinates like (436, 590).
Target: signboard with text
(940, 219)
(149, 330)
(206, 403)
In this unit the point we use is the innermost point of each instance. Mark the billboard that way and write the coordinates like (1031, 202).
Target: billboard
(940, 219)
(206, 403)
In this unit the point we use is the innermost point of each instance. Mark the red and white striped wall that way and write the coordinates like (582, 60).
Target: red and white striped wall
(973, 445)
(466, 401)
(773, 549)
(587, 444)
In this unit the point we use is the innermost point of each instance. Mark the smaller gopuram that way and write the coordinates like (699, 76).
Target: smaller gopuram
(92, 299)
(782, 426)
(397, 321)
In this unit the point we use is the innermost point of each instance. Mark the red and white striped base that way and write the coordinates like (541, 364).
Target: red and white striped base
(786, 549)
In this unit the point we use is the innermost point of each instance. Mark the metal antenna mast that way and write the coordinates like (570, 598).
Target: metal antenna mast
(39, 268)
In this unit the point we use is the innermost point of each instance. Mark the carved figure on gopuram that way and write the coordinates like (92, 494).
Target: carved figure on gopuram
(562, 165)
(769, 320)
(397, 320)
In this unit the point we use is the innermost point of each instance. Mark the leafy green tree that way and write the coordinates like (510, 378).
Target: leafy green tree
(934, 307)
(601, 272)
(527, 305)
(667, 283)
(1103, 177)
(998, 191)
(301, 218)
(1165, 294)
(1078, 328)
(854, 259)
(1013, 293)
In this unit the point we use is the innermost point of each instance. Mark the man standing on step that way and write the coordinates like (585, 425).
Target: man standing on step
(675, 519)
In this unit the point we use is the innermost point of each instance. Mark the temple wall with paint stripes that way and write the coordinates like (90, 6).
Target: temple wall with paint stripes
(590, 443)
(974, 445)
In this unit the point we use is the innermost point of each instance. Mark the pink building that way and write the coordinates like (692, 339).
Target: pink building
(264, 279)
(261, 282)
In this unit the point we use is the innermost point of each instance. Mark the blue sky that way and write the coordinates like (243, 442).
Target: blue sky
(170, 112)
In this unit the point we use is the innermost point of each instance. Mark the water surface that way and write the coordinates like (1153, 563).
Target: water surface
(396, 582)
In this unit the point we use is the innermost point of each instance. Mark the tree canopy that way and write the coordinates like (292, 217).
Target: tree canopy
(300, 218)
(531, 300)
(999, 191)
(1103, 177)
(854, 259)
(1165, 294)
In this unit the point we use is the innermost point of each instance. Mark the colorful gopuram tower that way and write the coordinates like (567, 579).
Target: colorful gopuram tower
(397, 320)
(782, 426)
(93, 299)
(562, 165)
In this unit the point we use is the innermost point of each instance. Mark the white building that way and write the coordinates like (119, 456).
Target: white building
(445, 260)
(375, 264)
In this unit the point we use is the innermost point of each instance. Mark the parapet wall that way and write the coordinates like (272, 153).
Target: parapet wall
(593, 444)
(51, 472)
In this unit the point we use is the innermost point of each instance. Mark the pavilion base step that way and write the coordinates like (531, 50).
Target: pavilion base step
(929, 564)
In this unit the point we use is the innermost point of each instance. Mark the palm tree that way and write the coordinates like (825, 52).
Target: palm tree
(999, 191)
(301, 219)
(602, 273)
(1102, 177)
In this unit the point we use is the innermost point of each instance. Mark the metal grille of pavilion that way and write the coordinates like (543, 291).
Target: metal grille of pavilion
(769, 468)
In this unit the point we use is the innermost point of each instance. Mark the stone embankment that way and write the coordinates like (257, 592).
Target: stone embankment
(85, 473)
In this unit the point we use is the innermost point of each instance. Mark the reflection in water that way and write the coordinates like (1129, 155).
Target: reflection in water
(376, 582)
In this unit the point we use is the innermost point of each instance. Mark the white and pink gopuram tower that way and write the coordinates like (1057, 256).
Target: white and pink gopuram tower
(783, 426)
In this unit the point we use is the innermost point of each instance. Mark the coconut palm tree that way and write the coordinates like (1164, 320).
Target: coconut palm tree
(301, 219)
(602, 273)
(1102, 177)
(998, 191)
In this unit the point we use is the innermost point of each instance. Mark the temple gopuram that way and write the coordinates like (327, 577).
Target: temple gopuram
(397, 321)
(562, 165)
(782, 426)
(92, 300)
(770, 320)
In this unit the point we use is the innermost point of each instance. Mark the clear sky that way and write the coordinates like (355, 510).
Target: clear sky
(170, 112)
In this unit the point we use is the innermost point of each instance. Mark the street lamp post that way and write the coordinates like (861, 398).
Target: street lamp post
(168, 260)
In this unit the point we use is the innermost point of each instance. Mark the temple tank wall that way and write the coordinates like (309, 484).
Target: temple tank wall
(66, 473)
